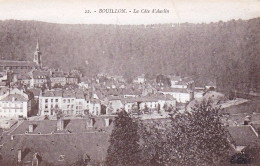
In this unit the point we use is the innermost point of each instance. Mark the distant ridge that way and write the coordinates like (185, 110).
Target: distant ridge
(203, 51)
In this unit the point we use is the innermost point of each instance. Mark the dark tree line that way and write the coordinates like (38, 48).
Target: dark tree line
(227, 52)
(197, 137)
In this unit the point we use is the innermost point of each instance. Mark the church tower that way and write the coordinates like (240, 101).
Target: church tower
(37, 55)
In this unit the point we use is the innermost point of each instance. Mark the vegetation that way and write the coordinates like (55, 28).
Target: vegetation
(225, 52)
(192, 138)
(123, 149)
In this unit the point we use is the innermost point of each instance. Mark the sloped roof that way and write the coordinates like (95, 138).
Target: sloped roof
(3, 90)
(243, 135)
(17, 63)
(79, 95)
(76, 139)
(35, 91)
(50, 147)
(3, 83)
(52, 94)
(38, 73)
(16, 97)
(177, 90)
(68, 94)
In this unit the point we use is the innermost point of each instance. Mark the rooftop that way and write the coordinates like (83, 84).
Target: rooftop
(243, 135)
(17, 63)
(15, 97)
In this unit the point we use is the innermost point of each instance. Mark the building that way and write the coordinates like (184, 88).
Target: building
(40, 78)
(14, 104)
(49, 101)
(57, 142)
(57, 78)
(23, 66)
(183, 83)
(211, 85)
(140, 79)
(70, 102)
(72, 78)
(181, 95)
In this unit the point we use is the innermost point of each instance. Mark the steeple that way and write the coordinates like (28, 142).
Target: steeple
(37, 55)
(37, 46)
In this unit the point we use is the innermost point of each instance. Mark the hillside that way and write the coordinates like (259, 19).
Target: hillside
(225, 51)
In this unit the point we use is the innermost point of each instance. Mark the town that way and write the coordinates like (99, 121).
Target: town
(42, 108)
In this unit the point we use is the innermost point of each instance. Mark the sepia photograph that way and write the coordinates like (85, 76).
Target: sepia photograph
(129, 83)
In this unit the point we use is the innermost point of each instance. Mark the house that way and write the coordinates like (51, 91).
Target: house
(49, 101)
(199, 92)
(3, 76)
(140, 79)
(174, 79)
(181, 95)
(72, 78)
(183, 83)
(156, 102)
(40, 78)
(94, 107)
(71, 102)
(68, 102)
(80, 102)
(57, 78)
(24, 79)
(211, 85)
(14, 104)
(114, 104)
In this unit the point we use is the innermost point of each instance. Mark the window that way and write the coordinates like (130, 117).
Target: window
(64, 100)
(61, 157)
(46, 100)
(51, 100)
(68, 100)
(56, 100)
(46, 106)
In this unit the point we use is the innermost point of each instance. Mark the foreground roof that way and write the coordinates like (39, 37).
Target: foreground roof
(73, 142)
(243, 135)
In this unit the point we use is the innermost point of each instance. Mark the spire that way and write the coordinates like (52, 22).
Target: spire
(37, 46)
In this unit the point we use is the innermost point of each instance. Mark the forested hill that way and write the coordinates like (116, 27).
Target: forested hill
(221, 51)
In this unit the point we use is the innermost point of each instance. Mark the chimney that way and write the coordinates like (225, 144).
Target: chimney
(35, 161)
(12, 137)
(247, 120)
(107, 120)
(60, 124)
(30, 128)
(19, 155)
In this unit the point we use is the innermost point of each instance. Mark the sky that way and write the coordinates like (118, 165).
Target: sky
(180, 11)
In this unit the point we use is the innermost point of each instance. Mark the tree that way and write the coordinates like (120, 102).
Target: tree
(201, 134)
(192, 138)
(123, 149)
